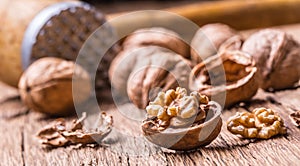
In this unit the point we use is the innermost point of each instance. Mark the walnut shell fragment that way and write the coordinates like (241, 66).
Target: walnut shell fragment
(180, 121)
(261, 123)
(140, 73)
(295, 118)
(230, 72)
(46, 86)
(157, 36)
(61, 134)
(277, 56)
(208, 39)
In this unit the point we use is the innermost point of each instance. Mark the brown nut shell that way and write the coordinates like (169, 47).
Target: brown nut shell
(277, 56)
(230, 74)
(157, 36)
(233, 43)
(137, 72)
(46, 86)
(187, 138)
(208, 39)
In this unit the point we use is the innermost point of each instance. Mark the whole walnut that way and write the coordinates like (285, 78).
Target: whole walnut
(208, 39)
(141, 72)
(46, 86)
(277, 56)
(229, 76)
(157, 36)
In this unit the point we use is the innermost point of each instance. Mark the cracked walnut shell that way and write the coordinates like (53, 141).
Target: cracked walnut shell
(277, 56)
(61, 133)
(140, 73)
(46, 86)
(180, 121)
(261, 123)
(230, 74)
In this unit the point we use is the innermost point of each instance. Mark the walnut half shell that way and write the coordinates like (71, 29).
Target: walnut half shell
(230, 72)
(182, 122)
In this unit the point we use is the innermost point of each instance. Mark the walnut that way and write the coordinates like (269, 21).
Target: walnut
(180, 121)
(157, 36)
(295, 117)
(261, 123)
(46, 86)
(277, 56)
(59, 133)
(139, 72)
(230, 73)
(233, 43)
(208, 39)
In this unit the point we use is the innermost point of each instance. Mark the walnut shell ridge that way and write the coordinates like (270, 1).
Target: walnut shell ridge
(277, 56)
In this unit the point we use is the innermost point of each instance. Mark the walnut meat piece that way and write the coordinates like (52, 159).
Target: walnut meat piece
(295, 118)
(208, 39)
(230, 72)
(180, 121)
(277, 56)
(46, 86)
(261, 123)
(138, 72)
(157, 36)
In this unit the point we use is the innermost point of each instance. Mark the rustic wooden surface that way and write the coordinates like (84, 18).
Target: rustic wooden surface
(18, 127)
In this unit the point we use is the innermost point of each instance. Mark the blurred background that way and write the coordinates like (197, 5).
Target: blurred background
(113, 6)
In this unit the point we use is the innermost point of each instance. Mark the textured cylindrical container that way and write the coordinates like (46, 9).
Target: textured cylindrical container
(34, 29)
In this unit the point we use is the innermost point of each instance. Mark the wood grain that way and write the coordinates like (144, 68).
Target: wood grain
(126, 146)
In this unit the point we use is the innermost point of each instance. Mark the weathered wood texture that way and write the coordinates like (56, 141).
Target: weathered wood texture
(18, 127)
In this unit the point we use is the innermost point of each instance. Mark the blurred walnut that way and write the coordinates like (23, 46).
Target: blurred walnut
(46, 86)
(180, 121)
(277, 56)
(143, 71)
(157, 36)
(261, 123)
(232, 44)
(208, 39)
(230, 75)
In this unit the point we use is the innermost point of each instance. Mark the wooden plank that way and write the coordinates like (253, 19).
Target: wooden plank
(11, 127)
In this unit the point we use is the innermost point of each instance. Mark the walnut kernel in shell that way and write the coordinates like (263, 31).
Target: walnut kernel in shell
(180, 121)
(140, 73)
(231, 72)
(46, 86)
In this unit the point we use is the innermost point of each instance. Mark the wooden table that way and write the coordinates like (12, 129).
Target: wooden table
(18, 127)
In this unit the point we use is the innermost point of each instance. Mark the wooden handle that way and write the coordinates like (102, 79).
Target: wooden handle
(241, 14)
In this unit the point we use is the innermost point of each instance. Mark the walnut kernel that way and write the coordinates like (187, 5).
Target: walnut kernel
(261, 123)
(176, 119)
(229, 74)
